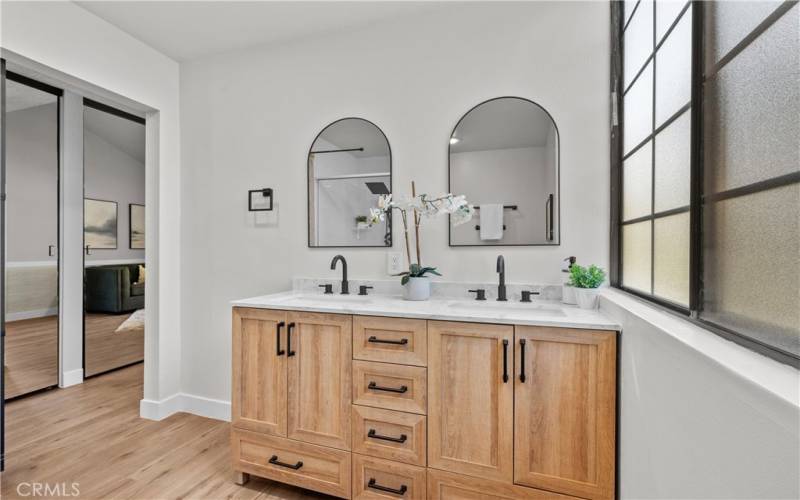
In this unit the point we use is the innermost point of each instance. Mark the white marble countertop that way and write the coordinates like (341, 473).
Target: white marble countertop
(537, 313)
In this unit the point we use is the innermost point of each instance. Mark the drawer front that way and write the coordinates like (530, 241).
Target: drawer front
(309, 466)
(449, 486)
(394, 387)
(390, 340)
(389, 434)
(374, 478)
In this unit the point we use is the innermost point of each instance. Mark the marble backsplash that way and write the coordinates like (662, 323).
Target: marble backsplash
(439, 289)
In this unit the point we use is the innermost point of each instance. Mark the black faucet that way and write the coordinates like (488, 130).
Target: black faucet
(501, 287)
(345, 287)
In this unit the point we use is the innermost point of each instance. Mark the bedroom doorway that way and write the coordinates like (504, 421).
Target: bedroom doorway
(114, 238)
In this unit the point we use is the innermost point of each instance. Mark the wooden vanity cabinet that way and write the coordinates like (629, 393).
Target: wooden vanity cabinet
(565, 410)
(471, 399)
(458, 410)
(258, 401)
(319, 357)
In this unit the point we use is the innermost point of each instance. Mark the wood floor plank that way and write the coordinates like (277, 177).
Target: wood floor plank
(91, 434)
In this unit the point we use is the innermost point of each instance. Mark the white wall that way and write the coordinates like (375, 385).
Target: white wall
(248, 119)
(701, 417)
(66, 41)
(112, 175)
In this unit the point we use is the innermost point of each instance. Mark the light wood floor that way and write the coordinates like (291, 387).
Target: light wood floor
(105, 348)
(91, 434)
(31, 360)
(31, 357)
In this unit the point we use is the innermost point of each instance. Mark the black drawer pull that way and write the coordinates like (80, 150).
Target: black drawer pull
(376, 387)
(278, 350)
(522, 360)
(505, 361)
(375, 486)
(376, 340)
(289, 340)
(274, 461)
(373, 435)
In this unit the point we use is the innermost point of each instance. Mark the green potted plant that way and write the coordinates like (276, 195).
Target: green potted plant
(415, 280)
(586, 281)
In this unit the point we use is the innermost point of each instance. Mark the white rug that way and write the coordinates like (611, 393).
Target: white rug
(134, 322)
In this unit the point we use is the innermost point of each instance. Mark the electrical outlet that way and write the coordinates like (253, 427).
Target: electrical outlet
(394, 262)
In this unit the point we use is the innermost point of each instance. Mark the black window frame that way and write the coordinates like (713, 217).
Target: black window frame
(697, 198)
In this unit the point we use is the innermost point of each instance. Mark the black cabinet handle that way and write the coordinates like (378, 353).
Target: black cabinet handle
(522, 360)
(505, 361)
(278, 350)
(274, 461)
(289, 340)
(376, 340)
(372, 434)
(376, 387)
(375, 486)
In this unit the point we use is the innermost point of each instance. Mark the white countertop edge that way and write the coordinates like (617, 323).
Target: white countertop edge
(594, 320)
(778, 378)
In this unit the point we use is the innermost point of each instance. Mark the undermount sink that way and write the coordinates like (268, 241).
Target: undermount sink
(495, 306)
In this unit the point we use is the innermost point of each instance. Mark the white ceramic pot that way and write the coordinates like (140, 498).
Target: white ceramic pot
(417, 289)
(587, 297)
(568, 294)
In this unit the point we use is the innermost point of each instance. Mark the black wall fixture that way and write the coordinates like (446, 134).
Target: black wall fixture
(260, 195)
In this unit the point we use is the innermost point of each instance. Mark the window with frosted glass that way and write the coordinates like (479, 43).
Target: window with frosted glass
(657, 70)
(751, 202)
(707, 191)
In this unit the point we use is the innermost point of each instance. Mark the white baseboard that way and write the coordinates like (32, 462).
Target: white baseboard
(36, 313)
(159, 410)
(207, 407)
(187, 403)
(72, 377)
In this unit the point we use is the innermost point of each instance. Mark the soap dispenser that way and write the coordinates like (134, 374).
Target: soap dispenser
(568, 291)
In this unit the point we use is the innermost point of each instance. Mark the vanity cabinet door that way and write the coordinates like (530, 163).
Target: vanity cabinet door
(470, 402)
(319, 355)
(565, 410)
(259, 371)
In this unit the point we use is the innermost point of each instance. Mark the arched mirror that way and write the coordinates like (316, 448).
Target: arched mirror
(349, 167)
(504, 157)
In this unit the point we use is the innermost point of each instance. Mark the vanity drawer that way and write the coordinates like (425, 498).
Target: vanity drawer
(389, 434)
(391, 340)
(374, 478)
(447, 486)
(306, 465)
(394, 387)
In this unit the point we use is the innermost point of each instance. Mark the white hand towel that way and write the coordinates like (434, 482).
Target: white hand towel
(491, 222)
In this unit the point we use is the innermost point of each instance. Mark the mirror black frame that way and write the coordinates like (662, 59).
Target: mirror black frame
(308, 188)
(558, 177)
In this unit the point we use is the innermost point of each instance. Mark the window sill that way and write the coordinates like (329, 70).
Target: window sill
(777, 378)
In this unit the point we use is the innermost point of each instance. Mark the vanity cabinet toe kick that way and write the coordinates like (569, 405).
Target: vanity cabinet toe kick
(373, 407)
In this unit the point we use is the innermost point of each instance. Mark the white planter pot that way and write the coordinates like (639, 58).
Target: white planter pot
(417, 289)
(568, 295)
(587, 297)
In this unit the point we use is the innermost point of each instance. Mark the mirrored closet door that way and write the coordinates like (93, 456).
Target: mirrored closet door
(114, 245)
(31, 228)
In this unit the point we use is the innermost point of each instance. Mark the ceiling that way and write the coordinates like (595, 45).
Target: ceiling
(504, 123)
(121, 133)
(355, 133)
(186, 30)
